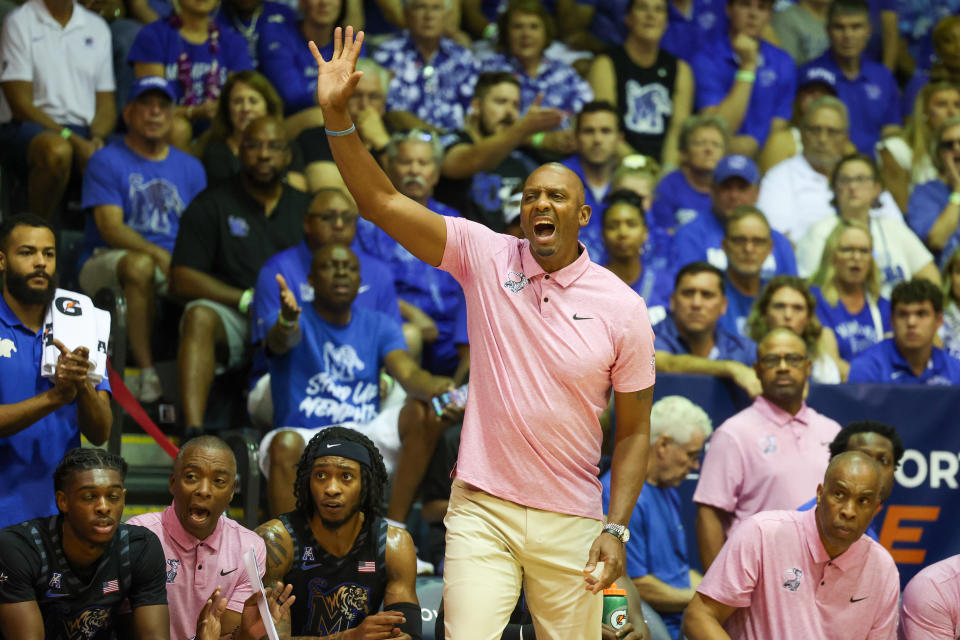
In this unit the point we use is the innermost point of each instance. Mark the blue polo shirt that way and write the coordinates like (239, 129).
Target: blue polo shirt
(926, 203)
(592, 234)
(714, 67)
(738, 309)
(270, 12)
(676, 202)
(854, 332)
(29, 458)
(376, 287)
(333, 375)
(658, 542)
(702, 239)
(433, 291)
(727, 346)
(872, 98)
(883, 363)
(686, 34)
(870, 533)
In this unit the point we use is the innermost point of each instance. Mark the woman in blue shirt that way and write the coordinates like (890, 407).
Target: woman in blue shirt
(194, 54)
(847, 289)
(949, 331)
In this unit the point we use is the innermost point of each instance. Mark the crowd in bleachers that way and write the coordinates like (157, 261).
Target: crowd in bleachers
(750, 166)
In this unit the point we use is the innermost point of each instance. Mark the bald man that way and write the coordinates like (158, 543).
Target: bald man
(805, 574)
(550, 334)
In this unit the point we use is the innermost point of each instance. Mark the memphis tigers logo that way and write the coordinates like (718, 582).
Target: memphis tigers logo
(335, 609)
(647, 107)
(87, 624)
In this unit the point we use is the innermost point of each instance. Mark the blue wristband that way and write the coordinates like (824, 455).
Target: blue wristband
(345, 132)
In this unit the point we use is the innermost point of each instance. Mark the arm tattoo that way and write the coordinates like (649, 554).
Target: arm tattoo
(276, 554)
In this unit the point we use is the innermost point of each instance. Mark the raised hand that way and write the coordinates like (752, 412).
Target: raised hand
(289, 309)
(539, 119)
(279, 601)
(208, 622)
(337, 78)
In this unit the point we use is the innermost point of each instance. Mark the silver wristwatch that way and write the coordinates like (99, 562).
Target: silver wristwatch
(618, 531)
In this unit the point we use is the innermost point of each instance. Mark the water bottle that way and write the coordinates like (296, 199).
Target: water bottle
(615, 607)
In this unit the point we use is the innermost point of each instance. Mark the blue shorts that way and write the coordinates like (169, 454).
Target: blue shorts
(15, 138)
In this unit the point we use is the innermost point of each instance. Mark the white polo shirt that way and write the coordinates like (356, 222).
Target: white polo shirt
(793, 196)
(68, 65)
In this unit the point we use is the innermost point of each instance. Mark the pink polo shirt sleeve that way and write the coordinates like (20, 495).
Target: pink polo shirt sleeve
(721, 477)
(733, 576)
(244, 589)
(931, 603)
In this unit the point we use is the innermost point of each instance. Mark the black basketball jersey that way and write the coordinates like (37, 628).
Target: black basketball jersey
(79, 605)
(335, 594)
(645, 99)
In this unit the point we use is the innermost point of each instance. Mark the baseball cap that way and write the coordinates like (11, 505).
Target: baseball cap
(149, 83)
(818, 75)
(736, 166)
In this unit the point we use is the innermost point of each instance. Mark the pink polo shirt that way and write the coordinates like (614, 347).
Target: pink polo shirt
(777, 574)
(195, 567)
(763, 458)
(545, 350)
(931, 603)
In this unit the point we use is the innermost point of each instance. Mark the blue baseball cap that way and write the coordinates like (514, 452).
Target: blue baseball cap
(150, 83)
(818, 75)
(736, 166)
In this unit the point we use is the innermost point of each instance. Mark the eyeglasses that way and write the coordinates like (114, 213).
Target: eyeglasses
(948, 145)
(847, 181)
(773, 360)
(816, 130)
(847, 252)
(742, 241)
(329, 217)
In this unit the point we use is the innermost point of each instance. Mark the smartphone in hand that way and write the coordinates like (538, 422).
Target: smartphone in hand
(455, 397)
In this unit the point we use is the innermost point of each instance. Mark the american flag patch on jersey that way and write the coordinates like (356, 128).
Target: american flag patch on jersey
(110, 586)
(367, 567)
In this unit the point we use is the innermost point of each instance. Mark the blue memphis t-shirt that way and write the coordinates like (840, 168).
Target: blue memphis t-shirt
(883, 363)
(29, 458)
(714, 68)
(658, 542)
(160, 43)
(702, 239)
(376, 287)
(333, 375)
(152, 193)
(676, 202)
(855, 332)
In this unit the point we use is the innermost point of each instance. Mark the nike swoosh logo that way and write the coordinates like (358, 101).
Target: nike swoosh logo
(363, 289)
(50, 594)
(226, 573)
(852, 599)
(307, 567)
(331, 446)
(576, 317)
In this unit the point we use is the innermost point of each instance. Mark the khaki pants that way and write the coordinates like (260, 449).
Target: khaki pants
(493, 546)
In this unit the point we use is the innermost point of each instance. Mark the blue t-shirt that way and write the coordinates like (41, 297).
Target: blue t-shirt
(655, 282)
(433, 291)
(592, 234)
(883, 363)
(658, 542)
(686, 34)
(714, 67)
(160, 43)
(676, 202)
(872, 98)
(726, 346)
(29, 458)
(152, 193)
(286, 61)
(333, 375)
(376, 287)
(738, 310)
(871, 531)
(270, 13)
(702, 239)
(854, 332)
(926, 203)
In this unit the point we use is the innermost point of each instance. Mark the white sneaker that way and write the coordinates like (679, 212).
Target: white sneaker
(150, 387)
(425, 568)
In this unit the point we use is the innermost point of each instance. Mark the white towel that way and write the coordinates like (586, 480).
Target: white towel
(73, 320)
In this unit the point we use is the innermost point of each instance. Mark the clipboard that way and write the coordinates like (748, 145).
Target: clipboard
(253, 573)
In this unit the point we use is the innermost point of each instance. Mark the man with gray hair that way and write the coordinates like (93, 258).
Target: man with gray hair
(795, 193)
(657, 549)
(429, 298)
(433, 75)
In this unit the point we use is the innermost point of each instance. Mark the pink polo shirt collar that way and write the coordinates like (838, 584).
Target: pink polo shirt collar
(778, 416)
(854, 556)
(565, 276)
(185, 540)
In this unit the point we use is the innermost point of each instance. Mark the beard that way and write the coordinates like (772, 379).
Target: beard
(18, 286)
